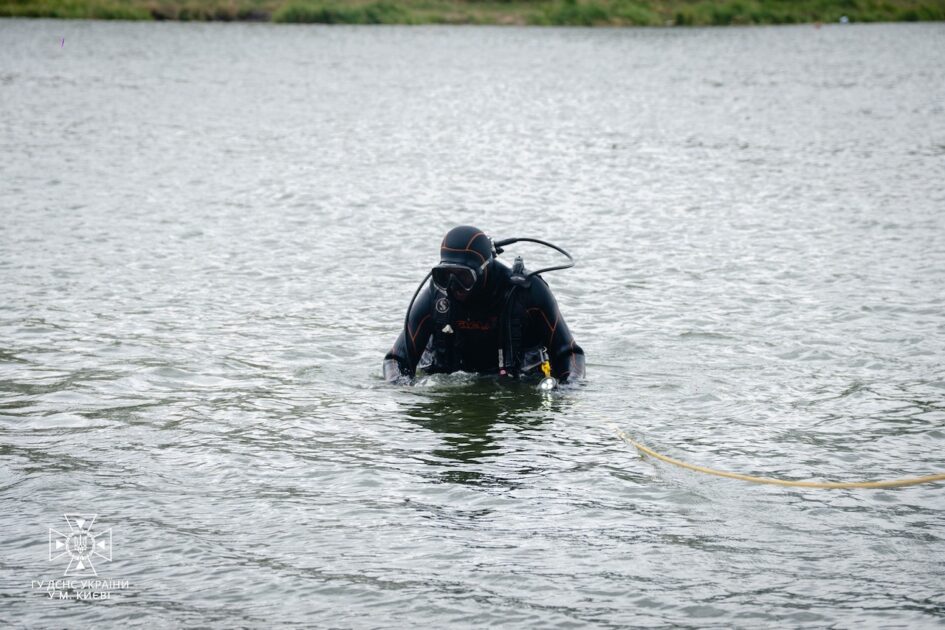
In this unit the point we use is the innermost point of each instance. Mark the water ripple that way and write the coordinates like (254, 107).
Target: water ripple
(204, 262)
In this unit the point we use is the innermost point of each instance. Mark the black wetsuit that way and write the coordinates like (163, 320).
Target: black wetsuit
(476, 325)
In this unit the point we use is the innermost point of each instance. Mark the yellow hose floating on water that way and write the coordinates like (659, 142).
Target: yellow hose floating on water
(894, 483)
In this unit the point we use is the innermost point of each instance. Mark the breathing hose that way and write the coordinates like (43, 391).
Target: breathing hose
(833, 485)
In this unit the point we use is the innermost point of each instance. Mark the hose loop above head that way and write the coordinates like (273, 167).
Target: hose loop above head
(500, 245)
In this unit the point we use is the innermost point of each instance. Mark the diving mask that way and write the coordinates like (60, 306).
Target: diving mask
(451, 274)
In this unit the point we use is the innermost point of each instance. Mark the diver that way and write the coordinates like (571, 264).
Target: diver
(479, 315)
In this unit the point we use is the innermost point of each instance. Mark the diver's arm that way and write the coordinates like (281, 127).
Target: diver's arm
(573, 370)
(401, 362)
(567, 357)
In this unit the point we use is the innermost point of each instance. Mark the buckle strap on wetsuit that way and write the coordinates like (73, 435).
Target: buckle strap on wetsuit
(512, 323)
(513, 312)
(444, 339)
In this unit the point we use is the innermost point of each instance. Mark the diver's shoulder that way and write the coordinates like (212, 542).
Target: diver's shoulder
(425, 299)
(538, 286)
(539, 293)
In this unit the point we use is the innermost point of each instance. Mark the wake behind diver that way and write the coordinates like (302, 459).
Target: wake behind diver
(478, 315)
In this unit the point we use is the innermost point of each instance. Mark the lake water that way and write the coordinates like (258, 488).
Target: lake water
(209, 236)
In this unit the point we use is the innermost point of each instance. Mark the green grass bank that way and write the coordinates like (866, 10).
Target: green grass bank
(535, 12)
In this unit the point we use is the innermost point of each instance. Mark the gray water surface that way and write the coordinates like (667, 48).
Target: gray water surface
(209, 236)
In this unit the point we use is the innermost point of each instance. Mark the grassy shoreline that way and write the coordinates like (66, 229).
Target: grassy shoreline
(512, 12)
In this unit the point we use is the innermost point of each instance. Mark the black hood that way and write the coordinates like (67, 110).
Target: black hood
(469, 246)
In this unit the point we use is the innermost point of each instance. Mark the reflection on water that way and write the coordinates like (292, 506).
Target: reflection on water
(472, 415)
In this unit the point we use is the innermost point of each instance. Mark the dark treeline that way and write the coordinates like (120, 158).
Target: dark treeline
(537, 12)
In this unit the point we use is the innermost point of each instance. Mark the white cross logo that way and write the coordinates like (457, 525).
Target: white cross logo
(81, 544)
